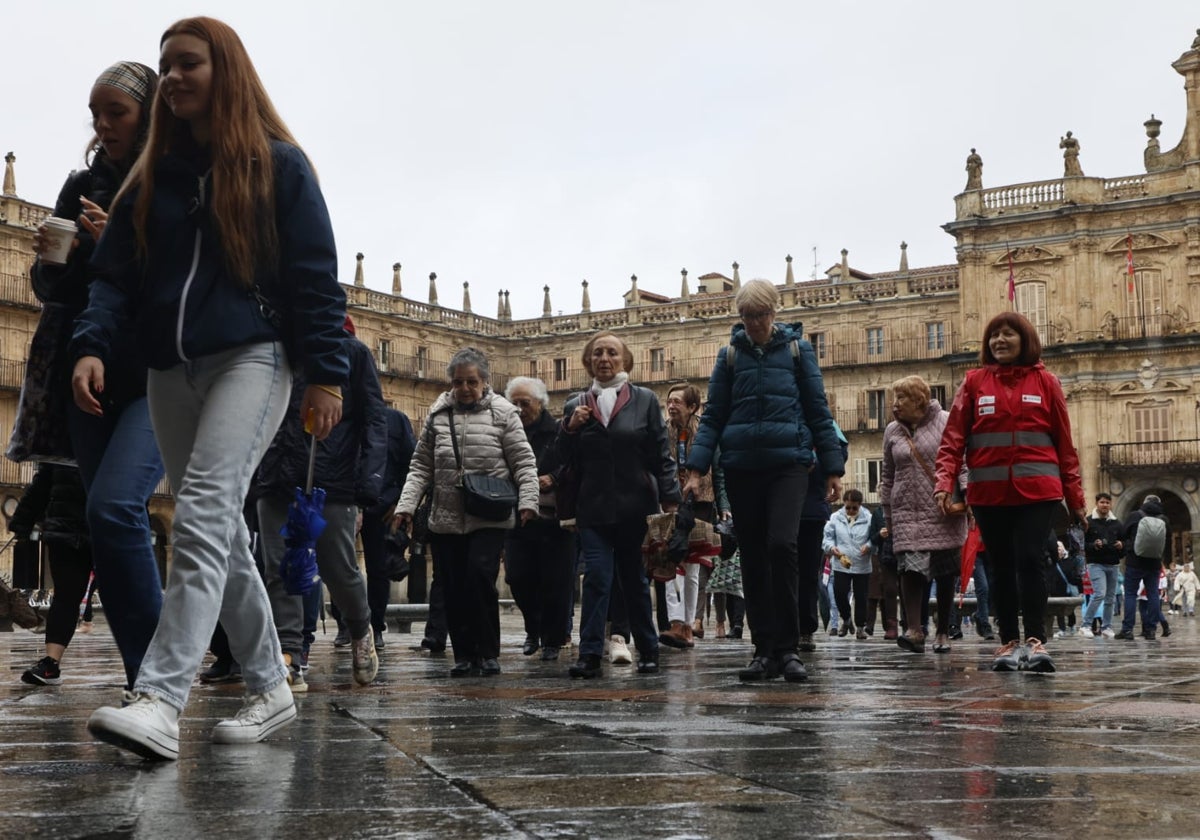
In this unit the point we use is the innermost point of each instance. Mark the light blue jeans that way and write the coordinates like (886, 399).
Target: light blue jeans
(1104, 591)
(214, 418)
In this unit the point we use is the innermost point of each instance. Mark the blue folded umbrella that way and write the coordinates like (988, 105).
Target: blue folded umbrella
(304, 526)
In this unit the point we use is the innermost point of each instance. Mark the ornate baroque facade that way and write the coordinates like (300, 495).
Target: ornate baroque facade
(1108, 268)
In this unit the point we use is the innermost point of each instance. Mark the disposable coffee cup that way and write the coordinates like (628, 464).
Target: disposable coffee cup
(57, 238)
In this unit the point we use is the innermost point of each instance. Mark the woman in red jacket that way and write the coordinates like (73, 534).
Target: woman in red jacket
(1010, 420)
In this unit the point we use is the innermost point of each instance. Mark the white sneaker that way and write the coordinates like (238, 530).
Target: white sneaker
(366, 660)
(260, 715)
(147, 726)
(1060, 634)
(1087, 633)
(1108, 633)
(618, 652)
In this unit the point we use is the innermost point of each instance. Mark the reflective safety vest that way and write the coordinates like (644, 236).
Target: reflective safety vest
(1012, 426)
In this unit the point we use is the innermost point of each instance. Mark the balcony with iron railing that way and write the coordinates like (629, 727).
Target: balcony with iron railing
(1158, 455)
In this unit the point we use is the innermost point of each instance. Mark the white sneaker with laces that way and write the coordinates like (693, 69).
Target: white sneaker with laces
(618, 652)
(1108, 633)
(260, 715)
(1087, 633)
(147, 726)
(366, 660)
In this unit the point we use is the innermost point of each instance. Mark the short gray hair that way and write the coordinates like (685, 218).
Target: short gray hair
(469, 356)
(758, 294)
(1151, 498)
(537, 386)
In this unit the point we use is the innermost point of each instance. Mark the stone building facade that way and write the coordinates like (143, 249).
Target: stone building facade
(1107, 268)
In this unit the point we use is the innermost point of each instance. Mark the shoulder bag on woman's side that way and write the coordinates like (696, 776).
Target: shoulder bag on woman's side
(485, 496)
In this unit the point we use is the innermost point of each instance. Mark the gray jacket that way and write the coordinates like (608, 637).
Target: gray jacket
(491, 440)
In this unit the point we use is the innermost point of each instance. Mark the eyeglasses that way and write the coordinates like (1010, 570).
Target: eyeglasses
(523, 403)
(760, 315)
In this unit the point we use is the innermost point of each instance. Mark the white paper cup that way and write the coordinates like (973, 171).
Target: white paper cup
(58, 237)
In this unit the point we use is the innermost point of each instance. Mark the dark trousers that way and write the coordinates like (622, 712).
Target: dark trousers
(470, 564)
(810, 557)
(379, 587)
(614, 571)
(539, 561)
(71, 567)
(1015, 536)
(842, 583)
(1151, 612)
(435, 626)
(766, 508)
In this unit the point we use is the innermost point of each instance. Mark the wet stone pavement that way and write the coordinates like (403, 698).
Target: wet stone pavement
(878, 743)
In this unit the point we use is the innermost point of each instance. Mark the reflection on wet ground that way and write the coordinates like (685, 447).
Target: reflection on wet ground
(877, 743)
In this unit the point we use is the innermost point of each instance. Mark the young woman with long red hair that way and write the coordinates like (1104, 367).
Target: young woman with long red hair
(219, 257)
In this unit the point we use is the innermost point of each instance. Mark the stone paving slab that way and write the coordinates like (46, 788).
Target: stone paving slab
(878, 743)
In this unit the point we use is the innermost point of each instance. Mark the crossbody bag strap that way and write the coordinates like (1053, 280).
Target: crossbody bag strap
(454, 441)
(924, 466)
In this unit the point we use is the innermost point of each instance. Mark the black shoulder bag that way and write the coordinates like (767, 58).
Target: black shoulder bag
(484, 496)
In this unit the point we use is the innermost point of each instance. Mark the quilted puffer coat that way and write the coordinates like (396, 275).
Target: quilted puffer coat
(491, 440)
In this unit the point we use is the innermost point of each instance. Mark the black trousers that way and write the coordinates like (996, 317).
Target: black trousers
(470, 564)
(1015, 537)
(810, 557)
(766, 511)
(436, 628)
(842, 582)
(71, 567)
(539, 564)
(379, 587)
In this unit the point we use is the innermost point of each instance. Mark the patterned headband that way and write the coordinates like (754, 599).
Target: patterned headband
(129, 77)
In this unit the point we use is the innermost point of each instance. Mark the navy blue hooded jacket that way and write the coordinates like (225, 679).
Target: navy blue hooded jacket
(180, 299)
(770, 410)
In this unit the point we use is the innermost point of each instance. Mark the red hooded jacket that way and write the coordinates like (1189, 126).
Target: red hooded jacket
(1012, 424)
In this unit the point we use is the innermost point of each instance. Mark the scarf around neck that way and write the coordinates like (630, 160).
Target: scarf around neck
(606, 395)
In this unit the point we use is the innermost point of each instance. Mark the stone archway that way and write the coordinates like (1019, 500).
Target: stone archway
(1179, 507)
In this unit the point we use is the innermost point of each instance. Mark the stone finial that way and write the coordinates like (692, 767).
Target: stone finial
(546, 310)
(500, 305)
(791, 278)
(358, 269)
(974, 171)
(684, 292)
(466, 296)
(635, 297)
(1196, 41)
(845, 266)
(737, 278)
(433, 288)
(904, 256)
(10, 176)
(396, 278)
(1153, 129)
(586, 305)
(507, 307)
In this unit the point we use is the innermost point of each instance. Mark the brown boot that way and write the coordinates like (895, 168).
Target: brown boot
(891, 630)
(698, 628)
(675, 637)
(688, 636)
(720, 629)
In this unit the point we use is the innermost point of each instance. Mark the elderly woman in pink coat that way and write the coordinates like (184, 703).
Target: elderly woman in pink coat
(927, 544)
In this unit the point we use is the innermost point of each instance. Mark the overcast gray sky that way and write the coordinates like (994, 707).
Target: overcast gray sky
(517, 144)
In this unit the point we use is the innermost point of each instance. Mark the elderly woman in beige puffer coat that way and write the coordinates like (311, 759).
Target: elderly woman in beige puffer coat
(927, 544)
(491, 439)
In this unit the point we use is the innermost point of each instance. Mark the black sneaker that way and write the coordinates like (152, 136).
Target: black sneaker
(1008, 657)
(956, 632)
(1126, 635)
(45, 672)
(531, 645)
(1166, 628)
(221, 671)
(760, 668)
(1148, 635)
(342, 639)
(807, 643)
(793, 669)
(586, 668)
(379, 643)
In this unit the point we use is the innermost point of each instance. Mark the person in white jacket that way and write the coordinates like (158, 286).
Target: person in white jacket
(470, 429)
(848, 539)
(1187, 583)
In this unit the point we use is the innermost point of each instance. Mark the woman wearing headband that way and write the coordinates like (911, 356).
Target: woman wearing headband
(116, 453)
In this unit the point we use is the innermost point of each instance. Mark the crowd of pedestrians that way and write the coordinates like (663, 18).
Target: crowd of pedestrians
(197, 327)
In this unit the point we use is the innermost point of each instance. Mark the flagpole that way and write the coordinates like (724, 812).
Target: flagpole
(1012, 284)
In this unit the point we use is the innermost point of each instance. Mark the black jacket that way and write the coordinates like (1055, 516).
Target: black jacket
(55, 498)
(179, 298)
(67, 285)
(1131, 527)
(543, 439)
(401, 442)
(625, 469)
(351, 461)
(1108, 532)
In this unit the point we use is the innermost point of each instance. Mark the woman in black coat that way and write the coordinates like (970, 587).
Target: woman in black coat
(614, 440)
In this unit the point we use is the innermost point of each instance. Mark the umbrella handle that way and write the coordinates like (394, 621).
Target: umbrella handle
(312, 464)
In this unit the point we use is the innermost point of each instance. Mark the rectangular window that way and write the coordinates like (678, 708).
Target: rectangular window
(877, 410)
(1145, 305)
(422, 360)
(938, 392)
(533, 369)
(1031, 302)
(874, 475)
(385, 354)
(817, 340)
(560, 370)
(935, 336)
(1151, 426)
(658, 360)
(875, 341)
